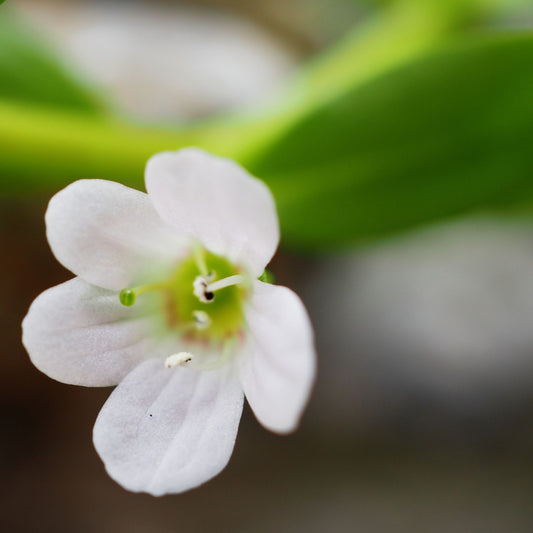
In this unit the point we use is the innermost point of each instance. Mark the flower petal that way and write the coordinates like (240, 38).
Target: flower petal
(107, 233)
(216, 201)
(80, 334)
(167, 431)
(278, 370)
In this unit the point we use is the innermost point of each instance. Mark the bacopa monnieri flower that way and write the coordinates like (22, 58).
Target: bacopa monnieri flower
(167, 304)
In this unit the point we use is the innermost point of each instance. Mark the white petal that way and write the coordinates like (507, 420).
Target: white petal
(169, 430)
(278, 369)
(80, 334)
(108, 234)
(216, 201)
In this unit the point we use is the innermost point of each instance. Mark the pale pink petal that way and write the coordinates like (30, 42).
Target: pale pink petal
(278, 365)
(80, 334)
(217, 202)
(108, 234)
(169, 430)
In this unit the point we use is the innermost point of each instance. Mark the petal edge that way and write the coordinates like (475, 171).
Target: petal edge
(107, 233)
(217, 202)
(80, 334)
(167, 431)
(278, 369)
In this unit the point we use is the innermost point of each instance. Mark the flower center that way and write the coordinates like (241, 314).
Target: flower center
(217, 311)
(203, 298)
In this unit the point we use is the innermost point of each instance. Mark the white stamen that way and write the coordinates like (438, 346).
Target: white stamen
(225, 282)
(199, 258)
(200, 289)
(201, 320)
(178, 359)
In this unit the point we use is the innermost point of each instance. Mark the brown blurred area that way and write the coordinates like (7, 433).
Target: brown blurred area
(415, 469)
(419, 470)
(383, 447)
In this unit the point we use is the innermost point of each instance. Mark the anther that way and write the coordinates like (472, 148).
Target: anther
(204, 290)
(200, 290)
(178, 359)
(127, 297)
(201, 320)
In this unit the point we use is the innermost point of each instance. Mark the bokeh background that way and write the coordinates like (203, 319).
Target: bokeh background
(422, 415)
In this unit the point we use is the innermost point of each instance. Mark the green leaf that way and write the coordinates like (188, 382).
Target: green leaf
(448, 134)
(30, 72)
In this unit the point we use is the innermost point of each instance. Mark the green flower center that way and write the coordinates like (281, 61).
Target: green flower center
(203, 298)
(224, 308)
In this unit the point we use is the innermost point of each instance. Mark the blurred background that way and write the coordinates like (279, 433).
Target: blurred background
(422, 415)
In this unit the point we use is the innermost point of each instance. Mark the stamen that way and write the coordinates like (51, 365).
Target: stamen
(127, 297)
(200, 290)
(178, 359)
(204, 290)
(237, 279)
(198, 252)
(201, 320)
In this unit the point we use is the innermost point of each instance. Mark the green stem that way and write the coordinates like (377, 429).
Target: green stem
(45, 148)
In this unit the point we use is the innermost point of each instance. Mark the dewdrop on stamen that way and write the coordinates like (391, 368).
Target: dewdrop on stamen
(178, 359)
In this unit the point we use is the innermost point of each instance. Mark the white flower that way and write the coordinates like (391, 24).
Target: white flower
(167, 305)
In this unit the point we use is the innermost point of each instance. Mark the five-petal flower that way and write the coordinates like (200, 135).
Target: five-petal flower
(167, 305)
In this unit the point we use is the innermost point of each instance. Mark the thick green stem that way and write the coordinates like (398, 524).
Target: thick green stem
(46, 148)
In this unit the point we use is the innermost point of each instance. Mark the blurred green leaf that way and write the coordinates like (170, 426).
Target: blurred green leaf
(447, 134)
(30, 72)
(443, 135)
(380, 134)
